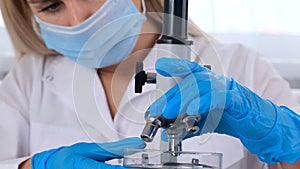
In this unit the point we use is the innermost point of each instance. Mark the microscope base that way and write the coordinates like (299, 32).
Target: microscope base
(156, 159)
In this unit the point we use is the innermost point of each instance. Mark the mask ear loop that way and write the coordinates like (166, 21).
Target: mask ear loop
(144, 7)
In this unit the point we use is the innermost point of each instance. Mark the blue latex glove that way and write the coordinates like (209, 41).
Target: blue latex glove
(226, 107)
(84, 155)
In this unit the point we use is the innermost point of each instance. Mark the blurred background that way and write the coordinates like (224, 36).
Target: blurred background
(269, 26)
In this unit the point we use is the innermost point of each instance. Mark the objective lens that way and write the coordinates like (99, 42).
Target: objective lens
(150, 131)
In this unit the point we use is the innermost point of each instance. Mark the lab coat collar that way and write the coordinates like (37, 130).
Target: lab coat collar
(86, 96)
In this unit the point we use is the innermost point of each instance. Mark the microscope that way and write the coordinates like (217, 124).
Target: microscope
(173, 43)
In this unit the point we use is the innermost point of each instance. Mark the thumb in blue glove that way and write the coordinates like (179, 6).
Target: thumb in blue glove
(84, 155)
(229, 108)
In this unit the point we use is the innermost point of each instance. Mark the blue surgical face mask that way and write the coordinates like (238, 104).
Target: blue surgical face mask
(104, 39)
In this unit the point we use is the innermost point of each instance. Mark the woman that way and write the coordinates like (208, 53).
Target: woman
(49, 101)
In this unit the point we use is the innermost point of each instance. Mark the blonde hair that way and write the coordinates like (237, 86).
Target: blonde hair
(18, 20)
(24, 31)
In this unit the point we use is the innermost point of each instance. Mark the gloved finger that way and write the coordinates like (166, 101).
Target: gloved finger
(119, 146)
(177, 67)
(227, 100)
(203, 103)
(213, 105)
(214, 100)
(108, 151)
(181, 68)
(192, 86)
(163, 103)
(210, 115)
(177, 98)
(88, 163)
(171, 104)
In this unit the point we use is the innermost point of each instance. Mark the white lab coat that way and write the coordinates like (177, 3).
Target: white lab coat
(47, 102)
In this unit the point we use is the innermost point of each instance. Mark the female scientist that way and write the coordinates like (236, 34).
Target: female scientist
(53, 110)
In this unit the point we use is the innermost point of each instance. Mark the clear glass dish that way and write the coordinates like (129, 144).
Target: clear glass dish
(156, 159)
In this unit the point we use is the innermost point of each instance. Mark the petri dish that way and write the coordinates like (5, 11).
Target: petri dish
(156, 159)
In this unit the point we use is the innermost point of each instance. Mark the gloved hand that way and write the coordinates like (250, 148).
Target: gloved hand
(84, 155)
(226, 107)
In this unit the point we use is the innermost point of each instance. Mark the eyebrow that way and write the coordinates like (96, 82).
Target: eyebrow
(38, 1)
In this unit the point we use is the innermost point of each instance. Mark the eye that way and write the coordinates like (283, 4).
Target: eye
(53, 7)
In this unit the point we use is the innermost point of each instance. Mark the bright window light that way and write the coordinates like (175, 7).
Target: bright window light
(271, 27)
(247, 16)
